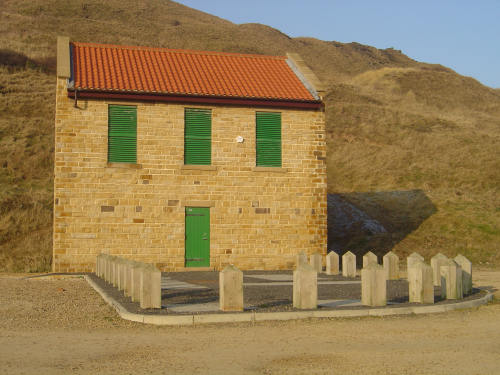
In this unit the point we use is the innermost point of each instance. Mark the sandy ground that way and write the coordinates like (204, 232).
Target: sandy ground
(63, 326)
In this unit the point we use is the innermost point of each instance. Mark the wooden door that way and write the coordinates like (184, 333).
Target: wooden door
(197, 237)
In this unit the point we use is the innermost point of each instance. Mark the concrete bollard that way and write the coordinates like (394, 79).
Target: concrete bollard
(305, 287)
(105, 267)
(373, 285)
(413, 258)
(332, 263)
(436, 262)
(102, 265)
(421, 283)
(97, 260)
(301, 258)
(121, 273)
(136, 281)
(99, 267)
(466, 273)
(114, 271)
(451, 280)
(127, 290)
(316, 262)
(109, 268)
(368, 258)
(231, 289)
(349, 265)
(150, 280)
(391, 265)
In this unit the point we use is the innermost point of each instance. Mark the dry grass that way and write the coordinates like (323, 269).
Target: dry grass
(394, 125)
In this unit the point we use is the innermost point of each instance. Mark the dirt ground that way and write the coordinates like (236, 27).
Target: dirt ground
(63, 326)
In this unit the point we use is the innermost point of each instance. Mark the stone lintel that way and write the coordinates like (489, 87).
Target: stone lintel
(198, 204)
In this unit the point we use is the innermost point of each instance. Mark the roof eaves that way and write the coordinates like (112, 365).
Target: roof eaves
(103, 93)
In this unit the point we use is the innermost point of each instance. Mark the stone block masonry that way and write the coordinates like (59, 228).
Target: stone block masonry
(259, 217)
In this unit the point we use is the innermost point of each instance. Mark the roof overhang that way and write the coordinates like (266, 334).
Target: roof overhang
(162, 97)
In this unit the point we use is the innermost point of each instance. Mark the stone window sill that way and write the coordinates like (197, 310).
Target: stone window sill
(123, 165)
(198, 167)
(270, 169)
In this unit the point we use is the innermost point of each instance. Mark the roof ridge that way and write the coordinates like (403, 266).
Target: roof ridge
(173, 50)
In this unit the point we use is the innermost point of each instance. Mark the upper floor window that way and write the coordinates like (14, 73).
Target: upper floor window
(197, 136)
(268, 142)
(122, 134)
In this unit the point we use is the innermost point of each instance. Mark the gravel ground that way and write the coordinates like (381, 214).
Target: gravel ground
(63, 326)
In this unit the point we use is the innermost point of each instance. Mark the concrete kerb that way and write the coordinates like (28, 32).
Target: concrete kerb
(255, 316)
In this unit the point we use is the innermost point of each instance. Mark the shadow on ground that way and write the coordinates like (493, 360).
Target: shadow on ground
(374, 221)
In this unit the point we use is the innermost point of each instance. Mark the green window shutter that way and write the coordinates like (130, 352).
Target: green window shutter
(122, 134)
(198, 137)
(268, 145)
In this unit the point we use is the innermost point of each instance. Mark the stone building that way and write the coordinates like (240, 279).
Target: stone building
(187, 158)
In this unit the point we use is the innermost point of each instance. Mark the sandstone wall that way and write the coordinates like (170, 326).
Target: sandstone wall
(259, 219)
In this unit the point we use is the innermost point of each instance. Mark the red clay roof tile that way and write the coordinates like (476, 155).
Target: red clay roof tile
(170, 71)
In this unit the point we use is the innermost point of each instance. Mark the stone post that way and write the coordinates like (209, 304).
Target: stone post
(97, 263)
(466, 273)
(136, 281)
(121, 273)
(373, 285)
(349, 265)
(421, 283)
(102, 265)
(301, 258)
(231, 289)
(413, 258)
(332, 263)
(150, 280)
(368, 258)
(104, 268)
(436, 262)
(316, 260)
(127, 291)
(391, 265)
(99, 267)
(114, 271)
(109, 268)
(305, 287)
(451, 280)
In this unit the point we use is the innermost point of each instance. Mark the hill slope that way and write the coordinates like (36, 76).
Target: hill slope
(413, 145)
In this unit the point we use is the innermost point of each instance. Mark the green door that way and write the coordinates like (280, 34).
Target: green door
(197, 237)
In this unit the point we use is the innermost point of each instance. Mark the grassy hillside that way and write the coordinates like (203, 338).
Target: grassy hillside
(414, 145)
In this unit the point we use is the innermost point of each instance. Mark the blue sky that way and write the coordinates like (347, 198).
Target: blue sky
(463, 35)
